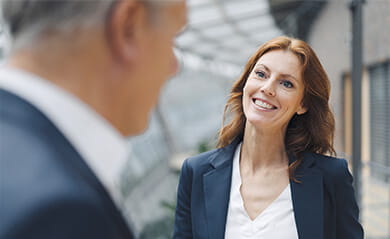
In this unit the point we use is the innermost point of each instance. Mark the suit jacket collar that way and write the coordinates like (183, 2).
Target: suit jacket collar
(216, 188)
(19, 111)
(99, 144)
(307, 194)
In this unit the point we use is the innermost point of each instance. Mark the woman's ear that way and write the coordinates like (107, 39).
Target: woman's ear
(123, 23)
(301, 110)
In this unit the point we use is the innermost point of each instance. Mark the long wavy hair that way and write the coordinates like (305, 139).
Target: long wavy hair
(312, 131)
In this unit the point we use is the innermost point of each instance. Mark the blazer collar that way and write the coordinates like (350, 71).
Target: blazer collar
(307, 194)
(216, 188)
(307, 197)
(225, 155)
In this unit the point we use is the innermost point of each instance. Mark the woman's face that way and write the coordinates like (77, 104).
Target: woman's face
(274, 91)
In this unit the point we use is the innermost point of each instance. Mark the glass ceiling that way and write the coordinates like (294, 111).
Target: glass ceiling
(223, 31)
(226, 31)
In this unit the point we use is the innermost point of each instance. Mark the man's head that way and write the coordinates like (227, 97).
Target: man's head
(113, 54)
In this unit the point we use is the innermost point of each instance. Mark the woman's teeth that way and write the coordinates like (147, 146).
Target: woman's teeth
(264, 105)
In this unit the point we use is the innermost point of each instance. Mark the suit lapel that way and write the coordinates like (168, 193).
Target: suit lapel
(307, 199)
(216, 193)
(23, 112)
(217, 190)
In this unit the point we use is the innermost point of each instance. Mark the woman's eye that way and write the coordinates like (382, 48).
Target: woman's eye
(287, 84)
(260, 74)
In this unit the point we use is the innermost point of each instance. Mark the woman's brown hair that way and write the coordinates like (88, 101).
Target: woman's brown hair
(312, 131)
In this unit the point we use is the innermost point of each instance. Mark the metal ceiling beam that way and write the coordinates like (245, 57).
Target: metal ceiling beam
(240, 17)
(207, 4)
(209, 56)
(243, 34)
(218, 50)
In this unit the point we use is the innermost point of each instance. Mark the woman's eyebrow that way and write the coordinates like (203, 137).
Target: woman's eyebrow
(260, 64)
(289, 76)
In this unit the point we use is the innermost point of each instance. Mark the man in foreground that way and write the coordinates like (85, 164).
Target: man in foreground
(81, 75)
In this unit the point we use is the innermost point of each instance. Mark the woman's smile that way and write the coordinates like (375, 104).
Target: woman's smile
(263, 104)
(274, 90)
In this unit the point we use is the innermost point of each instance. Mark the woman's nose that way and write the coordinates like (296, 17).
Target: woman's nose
(268, 88)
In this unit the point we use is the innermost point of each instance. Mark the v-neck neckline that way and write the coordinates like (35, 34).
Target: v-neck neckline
(237, 186)
(266, 209)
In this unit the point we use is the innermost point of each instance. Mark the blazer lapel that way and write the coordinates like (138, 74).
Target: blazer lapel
(216, 186)
(307, 197)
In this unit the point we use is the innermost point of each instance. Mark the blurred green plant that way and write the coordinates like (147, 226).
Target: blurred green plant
(161, 228)
(204, 146)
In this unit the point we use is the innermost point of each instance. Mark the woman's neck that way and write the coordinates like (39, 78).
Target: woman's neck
(263, 149)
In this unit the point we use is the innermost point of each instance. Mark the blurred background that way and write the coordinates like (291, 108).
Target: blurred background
(220, 37)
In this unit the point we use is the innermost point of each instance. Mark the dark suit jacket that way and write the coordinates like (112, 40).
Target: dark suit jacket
(46, 189)
(324, 203)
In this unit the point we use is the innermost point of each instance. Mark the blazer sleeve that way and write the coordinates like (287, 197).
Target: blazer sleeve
(347, 224)
(183, 223)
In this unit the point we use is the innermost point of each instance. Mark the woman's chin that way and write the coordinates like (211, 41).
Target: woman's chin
(259, 123)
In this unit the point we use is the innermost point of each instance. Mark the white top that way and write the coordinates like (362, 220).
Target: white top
(99, 144)
(276, 221)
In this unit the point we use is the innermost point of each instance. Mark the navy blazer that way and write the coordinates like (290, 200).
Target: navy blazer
(46, 189)
(324, 202)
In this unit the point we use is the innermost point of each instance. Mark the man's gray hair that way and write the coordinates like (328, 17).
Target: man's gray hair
(26, 20)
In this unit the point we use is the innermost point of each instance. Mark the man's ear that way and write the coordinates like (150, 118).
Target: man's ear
(122, 28)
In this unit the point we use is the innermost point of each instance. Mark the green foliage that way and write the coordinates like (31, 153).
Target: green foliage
(161, 228)
(171, 206)
(203, 147)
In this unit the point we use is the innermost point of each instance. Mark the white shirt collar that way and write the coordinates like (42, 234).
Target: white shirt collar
(101, 146)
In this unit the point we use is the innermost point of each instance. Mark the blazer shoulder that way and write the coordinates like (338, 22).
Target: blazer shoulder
(332, 167)
(201, 160)
(219, 157)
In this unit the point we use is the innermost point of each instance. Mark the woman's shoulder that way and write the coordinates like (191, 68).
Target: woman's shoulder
(332, 167)
(201, 159)
(216, 158)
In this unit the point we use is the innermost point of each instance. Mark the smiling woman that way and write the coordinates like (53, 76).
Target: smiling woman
(273, 92)
(269, 178)
(300, 70)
